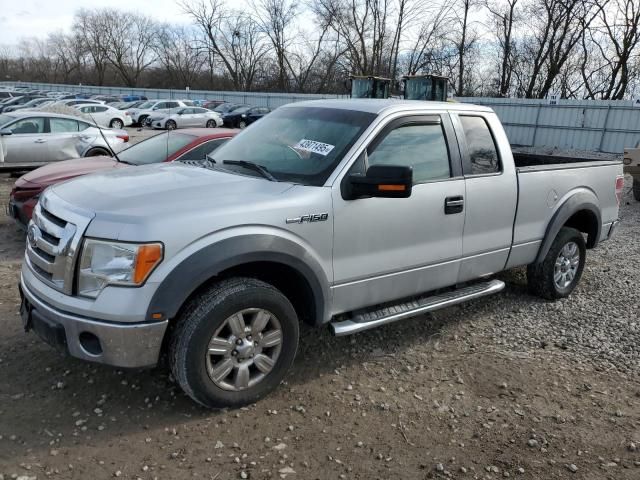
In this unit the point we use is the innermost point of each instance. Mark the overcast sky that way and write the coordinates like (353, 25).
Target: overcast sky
(29, 18)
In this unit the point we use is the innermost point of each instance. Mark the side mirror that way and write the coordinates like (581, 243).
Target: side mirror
(388, 181)
(5, 132)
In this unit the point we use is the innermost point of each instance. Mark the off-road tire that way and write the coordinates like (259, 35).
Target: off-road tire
(636, 188)
(540, 276)
(203, 315)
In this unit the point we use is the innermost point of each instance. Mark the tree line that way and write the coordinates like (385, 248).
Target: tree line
(517, 48)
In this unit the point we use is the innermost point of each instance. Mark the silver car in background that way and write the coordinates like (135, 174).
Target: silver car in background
(32, 138)
(185, 118)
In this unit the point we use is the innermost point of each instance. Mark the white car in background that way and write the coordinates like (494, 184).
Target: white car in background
(140, 114)
(186, 117)
(72, 102)
(105, 116)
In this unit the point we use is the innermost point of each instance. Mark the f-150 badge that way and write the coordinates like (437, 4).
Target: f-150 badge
(312, 217)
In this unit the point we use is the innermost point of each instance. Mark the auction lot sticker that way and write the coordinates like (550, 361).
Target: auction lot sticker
(314, 147)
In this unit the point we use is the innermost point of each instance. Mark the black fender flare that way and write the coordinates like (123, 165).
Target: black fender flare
(577, 202)
(208, 262)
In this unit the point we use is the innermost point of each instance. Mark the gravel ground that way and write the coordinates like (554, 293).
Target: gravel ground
(507, 386)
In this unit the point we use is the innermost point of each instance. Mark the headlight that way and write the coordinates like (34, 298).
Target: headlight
(114, 263)
(244, 115)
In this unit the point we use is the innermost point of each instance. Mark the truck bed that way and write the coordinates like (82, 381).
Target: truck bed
(544, 184)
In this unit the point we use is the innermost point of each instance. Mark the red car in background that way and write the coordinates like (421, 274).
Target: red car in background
(182, 145)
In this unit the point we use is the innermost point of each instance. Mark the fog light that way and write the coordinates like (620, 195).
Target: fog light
(90, 343)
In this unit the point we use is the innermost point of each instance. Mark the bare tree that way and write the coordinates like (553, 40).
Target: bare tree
(464, 39)
(276, 20)
(179, 53)
(88, 28)
(504, 16)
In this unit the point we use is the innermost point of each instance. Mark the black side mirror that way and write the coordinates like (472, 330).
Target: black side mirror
(389, 181)
(5, 132)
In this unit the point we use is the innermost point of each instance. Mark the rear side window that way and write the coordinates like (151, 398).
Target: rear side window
(422, 147)
(201, 151)
(62, 125)
(482, 149)
(100, 109)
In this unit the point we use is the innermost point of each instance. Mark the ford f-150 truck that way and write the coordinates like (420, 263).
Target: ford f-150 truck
(348, 213)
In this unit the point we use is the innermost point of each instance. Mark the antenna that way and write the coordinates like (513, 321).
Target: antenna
(113, 152)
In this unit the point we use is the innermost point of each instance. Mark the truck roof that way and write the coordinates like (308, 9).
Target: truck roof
(389, 105)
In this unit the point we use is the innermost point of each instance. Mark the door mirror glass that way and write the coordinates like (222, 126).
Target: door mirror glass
(389, 181)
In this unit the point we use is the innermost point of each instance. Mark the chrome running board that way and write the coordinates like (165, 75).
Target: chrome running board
(364, 320)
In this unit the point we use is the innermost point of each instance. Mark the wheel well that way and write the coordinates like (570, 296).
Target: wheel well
(287, 279)
(97, 151)
(585, 221)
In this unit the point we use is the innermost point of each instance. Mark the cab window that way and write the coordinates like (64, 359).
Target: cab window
(420, 146)
(483, 153)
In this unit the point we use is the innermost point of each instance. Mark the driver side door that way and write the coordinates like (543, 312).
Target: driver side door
(391, 248)
(28, 142)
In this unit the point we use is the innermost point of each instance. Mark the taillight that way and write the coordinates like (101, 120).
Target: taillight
(619, 188)
(124, 137)
(22, 195)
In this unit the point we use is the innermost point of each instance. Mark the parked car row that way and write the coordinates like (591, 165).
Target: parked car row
(189, 145)
(230, 115)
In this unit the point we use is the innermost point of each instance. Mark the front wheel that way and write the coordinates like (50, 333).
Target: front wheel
(242, 124)
(636, 188)
(560, 271)
(234, 343)
(170, 125)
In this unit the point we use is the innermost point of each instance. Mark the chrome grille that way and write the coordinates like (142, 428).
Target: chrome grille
(54, 238)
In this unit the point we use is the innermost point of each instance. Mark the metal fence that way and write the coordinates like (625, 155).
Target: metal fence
(595, 125)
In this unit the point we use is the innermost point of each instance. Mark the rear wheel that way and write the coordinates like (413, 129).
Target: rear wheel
(211, 124)
(142, 120)
(636, 188)
(234, 343)
(560, 271)
(116, 123)
(170, 125)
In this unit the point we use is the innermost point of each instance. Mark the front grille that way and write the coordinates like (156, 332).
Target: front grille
(49, 239)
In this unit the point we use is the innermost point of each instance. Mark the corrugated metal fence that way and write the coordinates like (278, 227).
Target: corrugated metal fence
(596, 125)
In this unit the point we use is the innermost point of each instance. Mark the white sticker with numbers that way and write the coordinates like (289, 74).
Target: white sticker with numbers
(314, 147)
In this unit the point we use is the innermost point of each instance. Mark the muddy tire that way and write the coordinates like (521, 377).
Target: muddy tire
(234, 343)
(560, 271)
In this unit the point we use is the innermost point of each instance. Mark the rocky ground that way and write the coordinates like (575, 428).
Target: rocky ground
(508, 386)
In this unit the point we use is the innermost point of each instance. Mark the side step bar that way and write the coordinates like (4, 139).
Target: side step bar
(374, 318)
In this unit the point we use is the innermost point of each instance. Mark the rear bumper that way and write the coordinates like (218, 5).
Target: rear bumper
(131, 345)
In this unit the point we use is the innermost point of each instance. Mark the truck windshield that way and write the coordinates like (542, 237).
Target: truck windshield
(296, 144)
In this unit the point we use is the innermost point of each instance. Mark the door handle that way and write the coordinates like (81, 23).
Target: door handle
(40, 140)
(453, 205)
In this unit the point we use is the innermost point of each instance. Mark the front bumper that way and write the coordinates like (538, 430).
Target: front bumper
(127, 345)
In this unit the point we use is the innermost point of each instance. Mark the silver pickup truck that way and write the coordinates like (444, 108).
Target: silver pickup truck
(348, 213)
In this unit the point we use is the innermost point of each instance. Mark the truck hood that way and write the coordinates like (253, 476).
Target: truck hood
(147, 193)
(59, 171)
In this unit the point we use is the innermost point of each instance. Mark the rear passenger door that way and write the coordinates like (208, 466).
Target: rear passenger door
(390, 248)
(492, 194)
(63, 139)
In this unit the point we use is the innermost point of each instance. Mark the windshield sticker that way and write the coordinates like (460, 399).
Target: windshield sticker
(314, 147)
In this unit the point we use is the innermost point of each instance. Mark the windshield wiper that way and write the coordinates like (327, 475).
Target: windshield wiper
(252, 166)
